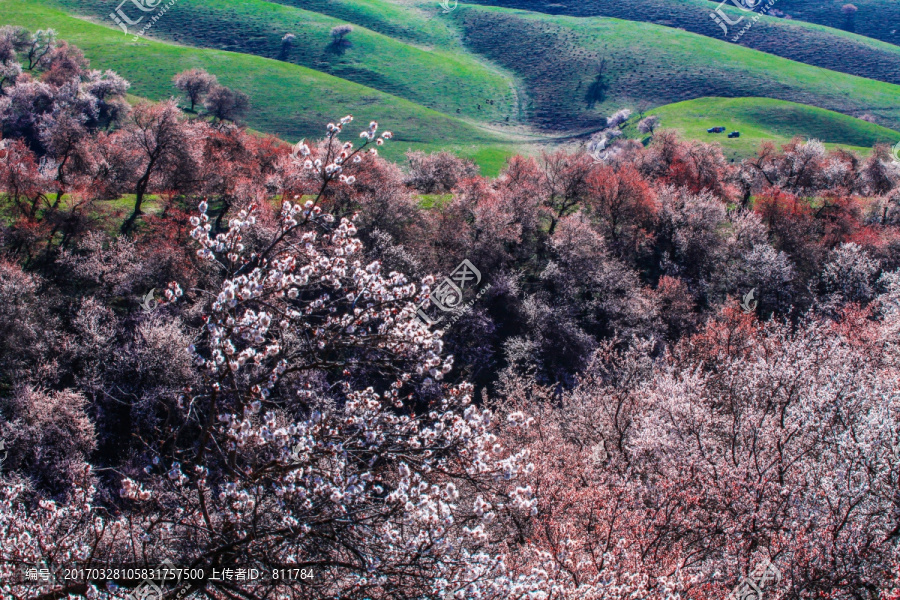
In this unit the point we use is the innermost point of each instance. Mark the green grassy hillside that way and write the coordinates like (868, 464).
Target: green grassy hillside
(559, 60)
(417, 22)
(804, 42)
(878, 19)
(287, 100)
(555, 60)
(763, 119)
(448, 81)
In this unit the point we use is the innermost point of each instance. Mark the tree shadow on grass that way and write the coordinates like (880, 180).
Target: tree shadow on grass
(596, 92)
(338, 47)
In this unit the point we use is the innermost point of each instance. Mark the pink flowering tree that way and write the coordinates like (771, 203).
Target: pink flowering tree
(748, 443)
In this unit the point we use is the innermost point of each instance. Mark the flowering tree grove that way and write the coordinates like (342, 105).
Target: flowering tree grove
(681, 369)
(265, 463)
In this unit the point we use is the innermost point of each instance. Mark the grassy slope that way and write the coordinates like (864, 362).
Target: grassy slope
(878, 19)
(573, 47)
(418, 22)
(289, 101)
(415, 22)
(448, 81)
(558, 58)
(762, 119)
(804, 42)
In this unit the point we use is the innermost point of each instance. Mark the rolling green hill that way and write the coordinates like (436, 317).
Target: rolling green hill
(804, 42)
(287, 100)
(878, 19)
(559, 60)
(446, 80)
(417, 22)
(568, 73)
(763, 119)
(556, 59)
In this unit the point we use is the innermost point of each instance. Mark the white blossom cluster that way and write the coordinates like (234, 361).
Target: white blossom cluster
(49, 535)
(133, 491)
(380, 308)
(332, 167)
(228, 243)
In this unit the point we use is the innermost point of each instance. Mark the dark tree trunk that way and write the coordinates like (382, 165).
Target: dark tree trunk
(139, 192)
